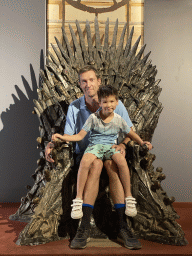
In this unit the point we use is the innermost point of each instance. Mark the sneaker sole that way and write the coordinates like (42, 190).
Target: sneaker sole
(131, 215)
(76, 217)
(129, 247)
(82, 247)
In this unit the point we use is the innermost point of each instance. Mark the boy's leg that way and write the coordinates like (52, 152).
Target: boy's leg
(83, 171)
(85, 164)
(92, 184)
(124, 174)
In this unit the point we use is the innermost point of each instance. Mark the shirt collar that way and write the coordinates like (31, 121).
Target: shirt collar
(82, 104)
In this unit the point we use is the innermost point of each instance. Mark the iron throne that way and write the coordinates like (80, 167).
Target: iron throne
(47, 204)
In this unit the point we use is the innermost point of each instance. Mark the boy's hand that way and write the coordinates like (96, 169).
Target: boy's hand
(149, 145)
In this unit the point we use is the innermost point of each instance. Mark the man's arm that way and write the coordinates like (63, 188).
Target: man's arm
(69, 129)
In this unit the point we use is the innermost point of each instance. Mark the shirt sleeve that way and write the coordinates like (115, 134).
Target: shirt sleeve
(121, 110)
(88, 126)
(70, 122)
(125, 128)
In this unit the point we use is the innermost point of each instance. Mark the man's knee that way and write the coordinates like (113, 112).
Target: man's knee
(111, 167)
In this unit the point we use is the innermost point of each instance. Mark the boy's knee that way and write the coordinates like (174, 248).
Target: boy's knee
(97, 163)
(96, 167)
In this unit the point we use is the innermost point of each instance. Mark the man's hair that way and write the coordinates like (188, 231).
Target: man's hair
(106, 91)
(88, 68)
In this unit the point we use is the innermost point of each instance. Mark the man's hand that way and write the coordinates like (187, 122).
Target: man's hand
(121, 148)
(48, 150)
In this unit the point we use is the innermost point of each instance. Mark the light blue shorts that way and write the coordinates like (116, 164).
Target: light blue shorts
(103, 152)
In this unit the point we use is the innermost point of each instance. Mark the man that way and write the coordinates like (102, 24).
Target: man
(78, 112)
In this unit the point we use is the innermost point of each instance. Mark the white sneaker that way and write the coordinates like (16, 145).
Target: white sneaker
(130, 209)
(76, 212)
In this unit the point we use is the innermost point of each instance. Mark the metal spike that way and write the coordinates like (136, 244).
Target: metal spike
(148, 64)
(46, 88)
(39, 94)
(113, 45)
(55, 61)
(145, 58)
(128, 44)
(70, 52)
(38, 106)
(60, 58)
(133, 51)
(44, 106)
(76, 44)
(63, 52)
(49, 76)
(37, 112)
(120, 46)
(60, 77)
(89, 41)
(53, 66)
(82, 43)
(106, 42)
(140, 53)
(42, 75)
(97, 36)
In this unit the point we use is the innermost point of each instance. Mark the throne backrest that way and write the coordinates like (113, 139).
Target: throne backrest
(120, 66)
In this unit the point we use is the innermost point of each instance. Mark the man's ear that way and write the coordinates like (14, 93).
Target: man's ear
(99, 81)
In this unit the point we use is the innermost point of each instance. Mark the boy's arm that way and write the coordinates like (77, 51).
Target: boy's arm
(65, 137)
(134, 136)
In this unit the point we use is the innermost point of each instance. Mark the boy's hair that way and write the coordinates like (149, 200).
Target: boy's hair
(88, 68)
(107, 90)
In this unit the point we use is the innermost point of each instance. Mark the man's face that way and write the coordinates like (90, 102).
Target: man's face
(108, 104)
(89, 83)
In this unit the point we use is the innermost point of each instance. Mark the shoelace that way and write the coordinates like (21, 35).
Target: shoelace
(80, 232)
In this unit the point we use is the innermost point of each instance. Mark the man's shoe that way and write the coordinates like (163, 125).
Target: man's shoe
(81, 239)
(76, 212)
(126, 237)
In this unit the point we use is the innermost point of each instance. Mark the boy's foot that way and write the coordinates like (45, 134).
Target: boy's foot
(126, 237)
(81, 238)
(76, 212)
(130, 203)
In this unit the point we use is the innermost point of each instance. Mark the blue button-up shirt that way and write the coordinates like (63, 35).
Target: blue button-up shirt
(77, 115)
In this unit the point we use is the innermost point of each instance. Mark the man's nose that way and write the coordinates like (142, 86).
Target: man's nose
(89, 83)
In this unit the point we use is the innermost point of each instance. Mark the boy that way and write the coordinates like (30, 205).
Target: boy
(104, 126)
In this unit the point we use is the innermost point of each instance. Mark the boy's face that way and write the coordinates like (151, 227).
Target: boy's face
(108, 104)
